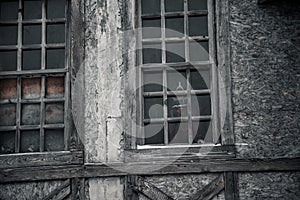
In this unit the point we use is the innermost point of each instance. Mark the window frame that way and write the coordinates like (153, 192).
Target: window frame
(201, 65)
(42, 74)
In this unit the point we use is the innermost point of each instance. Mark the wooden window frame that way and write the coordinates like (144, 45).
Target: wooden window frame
(42, 74)
(209, 65)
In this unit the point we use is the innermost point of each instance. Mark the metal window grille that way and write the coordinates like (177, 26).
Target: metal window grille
(34, 77)
(176, 60)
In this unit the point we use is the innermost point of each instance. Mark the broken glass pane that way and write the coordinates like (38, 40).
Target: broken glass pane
(150, 6)
(31, 60)
(7, 142)
(202, 132)
(55, 58)
(175, 52)
(154, 133)
(9, 10)
(55, 9)
(55, 87)
(174, 5)
(30, 141)
(55, 33)
(8, 60)
(7, 115)
(199, 51)
(8, 88)
(201, 105)
(178, 133)
(8, 34)
(197, 4)
(31, 88)
(54, 113)
(153, 107)
(32, 34)
(30, 114)
(32, 9)
(153, 81)
(54, 140)
(198, 26)
(177, 106)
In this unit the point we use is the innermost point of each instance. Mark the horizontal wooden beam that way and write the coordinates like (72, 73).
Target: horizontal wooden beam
(147, 168)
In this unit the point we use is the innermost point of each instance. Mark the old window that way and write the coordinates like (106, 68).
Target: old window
(178, 100)
(33, 76)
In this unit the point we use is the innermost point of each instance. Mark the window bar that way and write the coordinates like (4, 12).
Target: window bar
(186, 32)
(43, 60)
(19, 68)
(189, 108)
(163, 32)
(67, 83)
(141, 130)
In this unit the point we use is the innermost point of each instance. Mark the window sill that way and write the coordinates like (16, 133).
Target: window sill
(189, 153)
(20, 160)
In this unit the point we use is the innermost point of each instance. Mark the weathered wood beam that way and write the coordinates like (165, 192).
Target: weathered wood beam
(60, 192)
(210, 190)
(40, 159)
(148, 168)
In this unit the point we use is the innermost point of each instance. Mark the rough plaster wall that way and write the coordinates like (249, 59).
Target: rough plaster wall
(104, 93)
(265, 43)
(29, 190)
(182, 186)
(274, 186)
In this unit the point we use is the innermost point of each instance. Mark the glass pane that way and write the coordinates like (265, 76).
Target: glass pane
(176, 80)
(56, 33)
(30, 114)
(175, 27)
(201, 105)
(7, 142)
(55, 9)
(8, 35)
(32, 34)
(153, 81)
(152, 53)
(177, 106)
(175, 52)
(55, 87)
(32, 9)
(9, 10)
(174, 5)
(55, 58)
(8, 60)
(198, 26)
(178, 133)
(54, 140)
(202, 132)
(54, 113)
(7, 115)
(151, 28)
(8, 88)
(30, 141)
(31, 88)
(153, 107)
(197, 4)
(154, 134)
(200, 80)
(31, 59)
(150, 6)
(199, 51)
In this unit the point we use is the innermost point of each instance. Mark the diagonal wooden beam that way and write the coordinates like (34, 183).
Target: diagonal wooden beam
(60, 192)
(150, 191)
(210, 190)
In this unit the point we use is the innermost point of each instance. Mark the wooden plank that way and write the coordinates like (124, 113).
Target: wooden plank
(210, 190)
(60, 192)
(144, 168)
(231, 186)
(40, 159)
